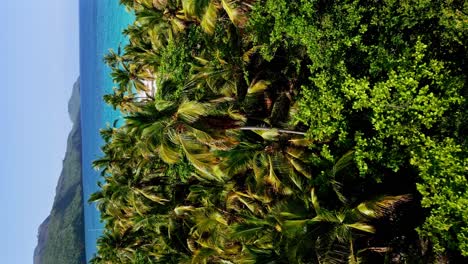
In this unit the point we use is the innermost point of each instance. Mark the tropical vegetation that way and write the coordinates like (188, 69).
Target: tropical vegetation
(301, 131)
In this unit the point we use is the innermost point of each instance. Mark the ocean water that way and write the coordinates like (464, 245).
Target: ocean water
(101, 24)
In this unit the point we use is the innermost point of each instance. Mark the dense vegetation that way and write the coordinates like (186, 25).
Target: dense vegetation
(61, 235)
(301, 131)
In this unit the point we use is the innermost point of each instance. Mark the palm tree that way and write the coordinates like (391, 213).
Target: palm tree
(274, 160)
(130, 78)
(166, 17)
(207, 12)
(123, 102)
(167, 128)
(294, 232)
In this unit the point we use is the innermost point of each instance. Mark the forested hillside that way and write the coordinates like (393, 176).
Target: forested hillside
(61, 235)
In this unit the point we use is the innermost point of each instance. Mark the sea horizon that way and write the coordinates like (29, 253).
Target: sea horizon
(101, 25)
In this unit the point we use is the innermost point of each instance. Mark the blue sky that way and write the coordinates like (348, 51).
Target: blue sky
(38, 66)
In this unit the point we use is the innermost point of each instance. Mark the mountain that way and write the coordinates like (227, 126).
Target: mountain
(61, 235)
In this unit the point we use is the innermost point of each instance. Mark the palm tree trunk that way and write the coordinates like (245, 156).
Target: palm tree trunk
(279, 130)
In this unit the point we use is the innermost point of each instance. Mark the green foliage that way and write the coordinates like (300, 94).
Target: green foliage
(213, 167)
(388, 79)
(442, 168)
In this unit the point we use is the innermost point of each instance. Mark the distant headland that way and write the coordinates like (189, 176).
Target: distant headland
(60, 236)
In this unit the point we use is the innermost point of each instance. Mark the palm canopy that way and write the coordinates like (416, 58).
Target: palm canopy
(211, 168)
(167, 128)
(208, 12)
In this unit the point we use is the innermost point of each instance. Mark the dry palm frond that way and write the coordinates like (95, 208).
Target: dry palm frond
(160, 4)
(382, 206)
(209, 18)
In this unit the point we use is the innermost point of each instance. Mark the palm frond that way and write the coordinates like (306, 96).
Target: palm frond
(344, 162)
(300, 167)
(233, 13)
(160, 4)
(301, 142)
(362, 227)
(381, 206)
(268, 134)
(168, 153)
(258, 87)
(272, 178)
(314, 200)
(209, 18)
(191, 111)
(249, 53)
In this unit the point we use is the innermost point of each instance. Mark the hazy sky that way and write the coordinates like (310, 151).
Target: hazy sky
(38, 66)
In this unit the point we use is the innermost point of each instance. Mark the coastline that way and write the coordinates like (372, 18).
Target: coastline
(101, 24)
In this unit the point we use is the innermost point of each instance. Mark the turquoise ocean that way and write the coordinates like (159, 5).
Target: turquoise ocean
(101, 25)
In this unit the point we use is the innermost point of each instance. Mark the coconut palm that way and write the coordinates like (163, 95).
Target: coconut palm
(208, 13)
(294, 232)
(131, 78)
(123, 102)
(166, 17)
(166, 128)
(272, 158)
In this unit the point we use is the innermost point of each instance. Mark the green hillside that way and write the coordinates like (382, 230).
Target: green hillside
(61, 237)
